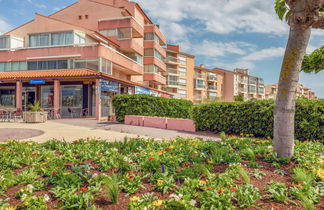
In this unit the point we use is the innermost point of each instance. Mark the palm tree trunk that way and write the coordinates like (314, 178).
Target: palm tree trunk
(284, 116)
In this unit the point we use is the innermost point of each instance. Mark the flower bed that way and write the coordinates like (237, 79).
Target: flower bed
(175, 174)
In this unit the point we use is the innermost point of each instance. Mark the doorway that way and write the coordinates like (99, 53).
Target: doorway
(28, 97)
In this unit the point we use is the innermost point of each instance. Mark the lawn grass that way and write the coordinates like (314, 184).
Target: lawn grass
(172, 174)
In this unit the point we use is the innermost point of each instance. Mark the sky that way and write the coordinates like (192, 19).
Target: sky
(226, 34)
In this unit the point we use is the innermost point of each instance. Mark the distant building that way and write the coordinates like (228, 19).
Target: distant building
(302, 91)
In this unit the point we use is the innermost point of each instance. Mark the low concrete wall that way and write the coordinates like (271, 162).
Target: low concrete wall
(161, 122)
(134, 120)
(155, 122)
(181, 125)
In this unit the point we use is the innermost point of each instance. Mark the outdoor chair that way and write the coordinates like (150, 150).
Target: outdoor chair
(85, 112)
(71, 112)
(17, 115)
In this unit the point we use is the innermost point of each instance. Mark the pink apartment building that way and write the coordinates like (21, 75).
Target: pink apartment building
(75, 60)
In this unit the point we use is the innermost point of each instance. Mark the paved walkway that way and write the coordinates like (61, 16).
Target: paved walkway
(72, 129)
(138, 130)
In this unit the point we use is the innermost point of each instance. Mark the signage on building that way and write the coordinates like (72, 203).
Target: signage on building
(37, 81)
(141, 90)
(109, 86)
(154, 93)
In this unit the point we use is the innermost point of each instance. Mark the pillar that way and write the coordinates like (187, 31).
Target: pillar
(19, 95)
(57, 93)
(98, 100)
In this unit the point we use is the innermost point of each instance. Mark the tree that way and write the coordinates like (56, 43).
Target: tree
(239, 98)
(314, 63)
(302, 16)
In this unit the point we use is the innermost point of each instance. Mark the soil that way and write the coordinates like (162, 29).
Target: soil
(104, 202)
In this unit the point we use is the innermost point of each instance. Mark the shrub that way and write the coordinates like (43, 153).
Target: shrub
(256, 117)
(146, 105)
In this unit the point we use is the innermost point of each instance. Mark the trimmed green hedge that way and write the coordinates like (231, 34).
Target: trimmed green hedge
(256, 117)
(146, 105)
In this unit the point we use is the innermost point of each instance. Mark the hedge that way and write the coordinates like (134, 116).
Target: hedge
(256, 117)
(146, 105)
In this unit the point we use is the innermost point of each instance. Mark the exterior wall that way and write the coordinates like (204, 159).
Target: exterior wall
(190, 78)
(302, 91)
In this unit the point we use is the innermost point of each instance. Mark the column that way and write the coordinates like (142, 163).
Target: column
(57, 93)
(19, 95)
(98, 100)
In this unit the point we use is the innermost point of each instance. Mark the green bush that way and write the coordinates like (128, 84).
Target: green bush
(256, 117)
(146, 105)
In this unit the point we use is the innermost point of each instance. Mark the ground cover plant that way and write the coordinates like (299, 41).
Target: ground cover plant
(179, 173)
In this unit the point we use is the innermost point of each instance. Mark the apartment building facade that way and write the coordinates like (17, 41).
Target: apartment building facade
(302, 92)
(179, 73)
(250, 87)
(78, 58)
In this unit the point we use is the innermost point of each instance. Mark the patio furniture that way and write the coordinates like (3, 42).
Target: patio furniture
(85, 112)
(71, 112)
(17, 115)
(57, 114)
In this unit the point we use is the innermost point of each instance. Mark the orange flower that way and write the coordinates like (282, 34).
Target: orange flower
(184, 164)
(131, 177)
(220, 191)
(83, 189)
(301, 182)
(233, 189)
(12, 150)
(34, 153)
(75, 141)
(54, 173)
(139, 155)
(3, 149)
(150, 158)
(130, 172)
(273, 207)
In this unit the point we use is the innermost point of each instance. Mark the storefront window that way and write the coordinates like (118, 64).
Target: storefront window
(72, 100)
(47, 96)
(7, 96)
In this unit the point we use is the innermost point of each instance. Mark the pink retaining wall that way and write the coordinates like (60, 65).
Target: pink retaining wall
(161, 122)
(181, 125)
(155, 122)
(134, 120)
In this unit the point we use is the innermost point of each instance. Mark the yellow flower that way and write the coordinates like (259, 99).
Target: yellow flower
(30, 144)
(171, 147)
(241, 134)
(135, 198)
(11, 208)
(202, 182)
(210, 161)
(268, 137)
(47, 158)
(66, 174)
(159, 182)
(157, 203)
(160, 153)
(320, 174)
(164, 139)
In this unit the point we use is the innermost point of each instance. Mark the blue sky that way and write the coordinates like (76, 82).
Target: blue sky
(220, 33)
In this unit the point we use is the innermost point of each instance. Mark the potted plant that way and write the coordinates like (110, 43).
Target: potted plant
(35, 114)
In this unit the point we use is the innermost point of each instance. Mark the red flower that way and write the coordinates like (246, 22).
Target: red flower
(273, 207)
(184, 165)
(54, 173)
(83, 189)
(220, 191)
(233, 189)
(75, 141)
(3, 149)
(130, 172)
(301, 182)
(12, 150)
(139, 155)
(150, 158)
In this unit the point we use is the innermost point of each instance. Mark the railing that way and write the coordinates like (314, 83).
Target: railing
(212, 88)
(198, 96)
(200, 86)
(173, 71)
(175, 83)
(243, 89)
(197, 75)
(244, 81)
(252, 90)
(171, 59)
(212, 78)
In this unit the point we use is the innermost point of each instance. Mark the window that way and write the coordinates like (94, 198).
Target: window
(148, 52)
(182, 71)
(87, 63)
(4, 42)
(37, 40)
(124, 33)
(7, 96)
(47, 96)
(136, 57)
(183, 60)
(18, 66)
(152, 37)
(62, 38)
(45, 65)
(151, 68)
(200, 83)
(80, 17)
(86, 16)
(182, 81)
(109, 32)
(79, 38)
(106, 66)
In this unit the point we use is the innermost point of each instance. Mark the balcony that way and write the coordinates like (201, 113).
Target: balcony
(199, 76)
(243, 81)
(175, 83)
(173, 71)
(212, 88)
(122, 22)
(252, 90)
(129, 45)
(156, 30)
(155, 61)
(153, 45)
(242, 89)
(155, 77)
(200, 87)
(172, 60)
(212, 77)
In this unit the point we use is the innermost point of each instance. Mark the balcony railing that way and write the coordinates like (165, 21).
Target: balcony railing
(212, 78)
(198, 96)
(244, 81)
(243, 89)
(173, 71)
(175, 83)
(200, 86)
(212, 87)
(197, 75)
(172, 59)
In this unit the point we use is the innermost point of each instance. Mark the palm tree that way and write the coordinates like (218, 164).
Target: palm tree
(302, 16)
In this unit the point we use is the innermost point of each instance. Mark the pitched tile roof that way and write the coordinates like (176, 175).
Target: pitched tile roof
(48, 74)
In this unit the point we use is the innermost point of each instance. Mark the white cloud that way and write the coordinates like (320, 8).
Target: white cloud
(4, 26)
(265, 54)
(38, 5)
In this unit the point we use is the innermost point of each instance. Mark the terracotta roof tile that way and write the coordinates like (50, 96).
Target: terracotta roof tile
(48, 74)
